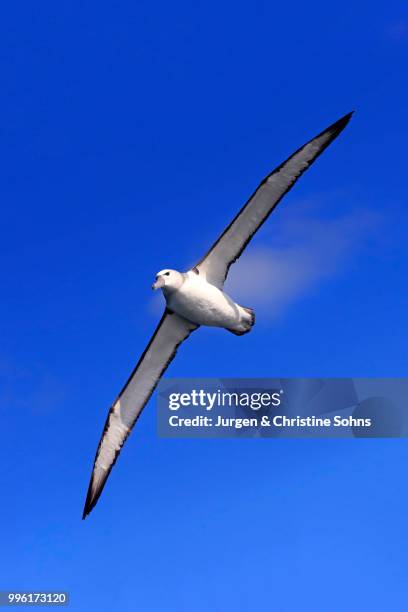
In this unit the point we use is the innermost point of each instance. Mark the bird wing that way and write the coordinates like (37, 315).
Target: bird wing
(229, 246)
(160, 351)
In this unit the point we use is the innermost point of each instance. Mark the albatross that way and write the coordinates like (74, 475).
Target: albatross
(196, 298)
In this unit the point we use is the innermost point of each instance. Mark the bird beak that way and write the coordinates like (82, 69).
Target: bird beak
(159, 283)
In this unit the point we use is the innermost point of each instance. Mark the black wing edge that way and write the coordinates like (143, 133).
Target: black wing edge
(92, 500)
(336, 127)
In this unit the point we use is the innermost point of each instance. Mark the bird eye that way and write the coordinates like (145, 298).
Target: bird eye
(167, 274)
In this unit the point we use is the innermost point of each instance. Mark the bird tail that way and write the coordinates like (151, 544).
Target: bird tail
(247, 321)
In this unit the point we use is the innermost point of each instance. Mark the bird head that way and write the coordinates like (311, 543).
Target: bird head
(168, 280)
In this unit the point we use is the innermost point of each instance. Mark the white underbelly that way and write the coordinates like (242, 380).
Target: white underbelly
(204, 304)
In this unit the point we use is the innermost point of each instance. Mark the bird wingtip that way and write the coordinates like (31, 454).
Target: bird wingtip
(87, 509)
(341, 123)
(92, 497)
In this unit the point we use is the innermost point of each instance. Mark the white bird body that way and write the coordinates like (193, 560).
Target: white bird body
(204, 304)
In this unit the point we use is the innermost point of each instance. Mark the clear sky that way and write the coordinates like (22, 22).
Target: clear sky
(131, 132)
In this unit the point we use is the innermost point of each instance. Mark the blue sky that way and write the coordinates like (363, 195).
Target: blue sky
(131, 132)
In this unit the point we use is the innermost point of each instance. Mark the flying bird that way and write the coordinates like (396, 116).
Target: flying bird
(197, 298)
